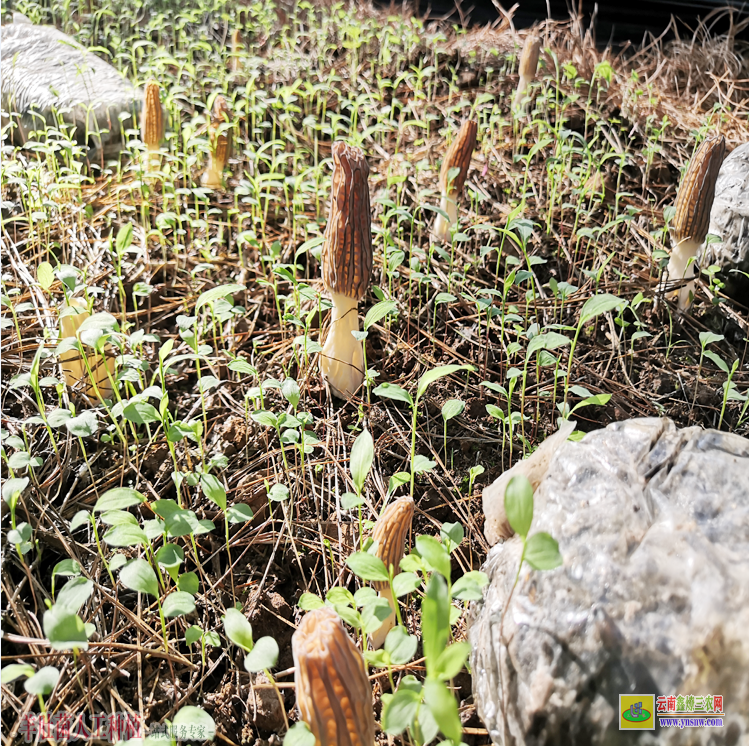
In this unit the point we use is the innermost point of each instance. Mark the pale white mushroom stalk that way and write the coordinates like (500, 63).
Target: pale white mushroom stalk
(390, 533)
(346, 268)
(692, 217)
(458, 157)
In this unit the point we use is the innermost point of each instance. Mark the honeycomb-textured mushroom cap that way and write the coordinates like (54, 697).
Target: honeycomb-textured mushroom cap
(152, 124)
(697, 191)
(332, 689)
(459, 156)
(390, 533)
(529, 57)
(347, 249)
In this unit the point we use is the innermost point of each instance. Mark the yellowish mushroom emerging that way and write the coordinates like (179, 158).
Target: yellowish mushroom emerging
(390, 533)
(692, 217)
(458, 157)
(74, 366)
(220, 145)
(152, 117)
(528, 66)
(346, 268)
(332, 689)
(236, 50)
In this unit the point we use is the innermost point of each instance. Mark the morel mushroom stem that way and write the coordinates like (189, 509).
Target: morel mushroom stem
(342, 355)
(220, 145)
(692, 217)
(458, 157)
(346, 268)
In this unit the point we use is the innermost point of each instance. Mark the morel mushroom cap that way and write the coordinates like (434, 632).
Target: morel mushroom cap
(152, 122)
(697, 191)
(332, 689)
(693, 204)
(459, 156)
(347, 250)
(390, 533)
(529, 57)
(220, 144)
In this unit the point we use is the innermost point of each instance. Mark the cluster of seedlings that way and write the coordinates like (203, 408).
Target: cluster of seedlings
(482, 304)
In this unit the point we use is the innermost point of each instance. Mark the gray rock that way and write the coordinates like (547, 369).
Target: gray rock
(44, 70)
(729, 219)
(652, 598)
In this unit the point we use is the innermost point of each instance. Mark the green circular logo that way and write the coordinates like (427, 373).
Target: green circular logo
(644, 715)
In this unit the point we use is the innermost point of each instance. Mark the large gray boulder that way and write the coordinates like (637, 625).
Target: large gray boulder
(729, 219)
(652, 597)
(44, 71)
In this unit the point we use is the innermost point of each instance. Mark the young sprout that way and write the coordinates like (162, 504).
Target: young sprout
(390, 533)
(152, 117)
(332, 689)
(346, 268)
(74, 370)
(693, 204)
(220, 145)
(453, 175)
(528, 66)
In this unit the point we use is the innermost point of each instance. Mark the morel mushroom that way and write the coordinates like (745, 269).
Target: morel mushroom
(236, 50)
(458, 156)
(528, 66)
(691, 220)
(390, 533)
(346, 268)
(75, 370)
(332, 689)
(220, 145)
(152, 117)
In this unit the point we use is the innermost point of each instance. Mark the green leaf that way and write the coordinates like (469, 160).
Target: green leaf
(309, 601)
(214, 294)
(124, 239)
(548, 341)
(340, 596)
(542, 552)
(118, 518)
(717, 360)
(707, 338)
(43, 682)
(139, 576)
(141, 413)
(398, 713)
(264, 655)
(452, 535)
(188, 582)
(367, 566)
(117, 499)
(435, 621)
(81, 518)
(434, 553)
(170, 556)
(391, 391)
(193, 634)
(278, 493)
(45, 275)
(13, 488)
(239, 513)
(422, 464)
(178, 603)
(444, 709)
(362, 455)
(350, 500)
(405, 583)
(66, 568)
(452, 659)
(117, 561)
(597, 305)
(468, 587)
(597, 399)
(15, 671)
(519, 504)
(452, 408)
(400, 645)
(374, 614)
(64, 629)
(238, 629)
(290, 390)
(299, 735)
(74, 594)
(399, 478)
(193, 724)
(379, 311)
(84, 425)
(125, 536)
(435, 374)
(262, 417)
(213, 490)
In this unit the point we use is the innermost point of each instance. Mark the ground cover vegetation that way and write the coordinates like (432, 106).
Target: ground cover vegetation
(168, 523)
